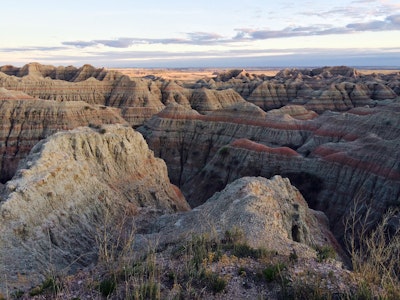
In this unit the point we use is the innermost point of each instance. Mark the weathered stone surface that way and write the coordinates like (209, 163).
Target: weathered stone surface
(333, 88)
(333, 159)
(25, 120)
(187, 140)
(271, 214)
(331, 178)
(72, 187)
(205, 100)
(138, 98)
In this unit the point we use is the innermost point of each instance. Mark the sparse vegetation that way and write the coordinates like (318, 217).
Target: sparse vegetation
(107, 286)
(325, 252)
(51, 285)
(224, 151)
(215, 282)
(375, 252)
(272, 272)
(199, 260)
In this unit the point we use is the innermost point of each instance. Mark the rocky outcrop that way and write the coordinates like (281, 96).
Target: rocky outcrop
(187, 140)
(71, 189)
(24, 121)
(333, 159)
(333, 132)
(138, 99)
(335, 88)
(332, 178)
(70, 73)
(328, 88)
(270, 214)
(205, 100)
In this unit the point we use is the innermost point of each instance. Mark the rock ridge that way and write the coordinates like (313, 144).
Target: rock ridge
(71, 185)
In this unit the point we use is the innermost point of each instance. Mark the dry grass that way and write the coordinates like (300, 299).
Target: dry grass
(374, 249)
(378, 71)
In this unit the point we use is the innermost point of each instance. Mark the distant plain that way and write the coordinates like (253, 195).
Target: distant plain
(193, 74)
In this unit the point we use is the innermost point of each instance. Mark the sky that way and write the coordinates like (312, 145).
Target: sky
(217, 33)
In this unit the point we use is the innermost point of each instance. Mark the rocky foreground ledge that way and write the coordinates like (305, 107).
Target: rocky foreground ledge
(78, 185)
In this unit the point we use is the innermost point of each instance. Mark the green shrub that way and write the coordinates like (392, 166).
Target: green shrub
(242, 272)
(325, 252)
(244, 250)
(107, 286)
(273, 272)
(50, 284)
(215, 282)
(224, 151)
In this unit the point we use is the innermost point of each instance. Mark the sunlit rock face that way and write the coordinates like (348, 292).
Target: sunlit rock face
(69, 187)
(270, 214)
(24, 121)
(329, 88)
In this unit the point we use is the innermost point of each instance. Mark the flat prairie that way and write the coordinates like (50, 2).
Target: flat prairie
(193, 74)
(188, 74)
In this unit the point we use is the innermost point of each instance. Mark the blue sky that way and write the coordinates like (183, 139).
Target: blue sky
(174, 33)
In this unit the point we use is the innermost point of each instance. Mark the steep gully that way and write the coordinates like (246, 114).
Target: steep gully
(333, 131)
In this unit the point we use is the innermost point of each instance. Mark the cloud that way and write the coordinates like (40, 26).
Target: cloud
(79, 44)
(357, 10)
(204, 36)
(29, 49)
(391, 22)
(193, 38)
(293, 57)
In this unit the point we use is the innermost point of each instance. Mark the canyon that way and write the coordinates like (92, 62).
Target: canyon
(285, 158)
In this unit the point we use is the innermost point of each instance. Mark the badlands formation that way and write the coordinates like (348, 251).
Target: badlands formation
(282, 160)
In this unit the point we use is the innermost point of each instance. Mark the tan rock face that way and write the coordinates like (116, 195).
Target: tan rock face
(24, 121)
(138, 98)
(329, 88)
(70, 186)
(271, 214)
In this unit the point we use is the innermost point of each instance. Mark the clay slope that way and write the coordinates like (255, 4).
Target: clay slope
(25, 120)
(329, 88)
(187, 140)
(333, 159)
(72, 187)
(138, 98)
(69, 73)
